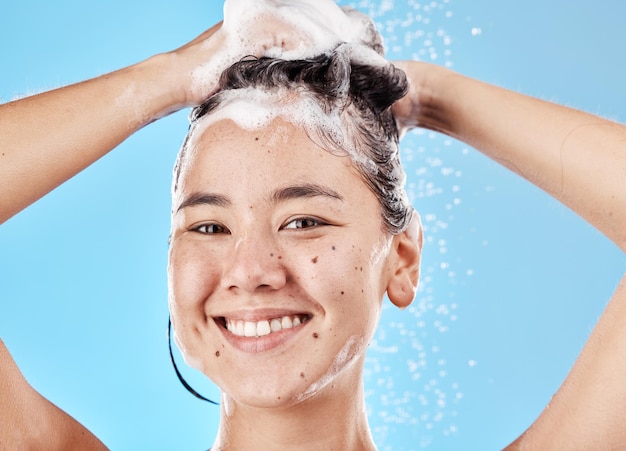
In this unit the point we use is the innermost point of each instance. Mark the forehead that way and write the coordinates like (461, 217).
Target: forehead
(279, 152)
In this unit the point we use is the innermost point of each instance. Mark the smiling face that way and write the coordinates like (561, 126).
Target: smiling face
(278, 263)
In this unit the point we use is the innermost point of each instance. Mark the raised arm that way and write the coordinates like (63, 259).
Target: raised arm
(29, 421)
(47, 138)
(580, 159)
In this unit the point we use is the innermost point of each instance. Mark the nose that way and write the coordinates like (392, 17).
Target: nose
(253, 265)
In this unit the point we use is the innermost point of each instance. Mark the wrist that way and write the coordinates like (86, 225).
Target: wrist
(434, 89)
(156, 89)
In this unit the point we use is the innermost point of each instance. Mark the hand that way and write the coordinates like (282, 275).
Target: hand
(418, 108)
(406, 109)
(259, 28)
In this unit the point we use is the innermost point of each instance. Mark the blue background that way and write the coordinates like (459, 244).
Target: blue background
(512, 281)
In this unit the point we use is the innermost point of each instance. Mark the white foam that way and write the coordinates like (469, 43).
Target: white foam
(344, 359)
(319, 25)
(287, 29)
(253, 109)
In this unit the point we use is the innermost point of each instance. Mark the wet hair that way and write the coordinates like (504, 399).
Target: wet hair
(359, 95)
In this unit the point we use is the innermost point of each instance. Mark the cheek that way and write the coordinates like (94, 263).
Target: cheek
(192, 276)
(348, 283)
(191, 279)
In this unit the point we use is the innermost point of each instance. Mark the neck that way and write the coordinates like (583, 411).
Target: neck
(335, 418)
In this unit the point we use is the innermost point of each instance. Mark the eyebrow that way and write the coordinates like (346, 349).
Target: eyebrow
(197, 199)
(305, 190)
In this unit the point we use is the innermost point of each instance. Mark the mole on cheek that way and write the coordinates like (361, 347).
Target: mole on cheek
(302, 375)
(315, 335)
(334, 248)
(314, 259)
(217, 353)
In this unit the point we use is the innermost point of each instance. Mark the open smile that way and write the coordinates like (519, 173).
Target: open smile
(263, 327)
(263, 334)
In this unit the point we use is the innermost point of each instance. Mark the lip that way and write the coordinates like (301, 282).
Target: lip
(265, 343)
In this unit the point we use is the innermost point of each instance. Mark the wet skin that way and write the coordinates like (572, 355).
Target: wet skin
(267, 225)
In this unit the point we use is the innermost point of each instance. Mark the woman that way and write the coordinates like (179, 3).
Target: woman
(433, 91)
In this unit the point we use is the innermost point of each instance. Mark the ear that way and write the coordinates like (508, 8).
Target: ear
(405, 269)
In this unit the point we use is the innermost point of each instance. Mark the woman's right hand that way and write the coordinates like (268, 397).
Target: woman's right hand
(78, 124)
(281, 29)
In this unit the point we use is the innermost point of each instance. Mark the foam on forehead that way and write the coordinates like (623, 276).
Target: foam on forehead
(252, 109)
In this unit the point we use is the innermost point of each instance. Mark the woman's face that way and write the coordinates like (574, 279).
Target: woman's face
(278, 263)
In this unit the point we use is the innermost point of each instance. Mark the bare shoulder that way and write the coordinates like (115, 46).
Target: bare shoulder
(28, 420)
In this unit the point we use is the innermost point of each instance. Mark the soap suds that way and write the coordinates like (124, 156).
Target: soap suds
(343, 360)
(252, 109)
(301, 29)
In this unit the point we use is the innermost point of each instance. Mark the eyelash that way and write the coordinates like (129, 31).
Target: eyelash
(210, 225)
(291, 225)
(317, 222)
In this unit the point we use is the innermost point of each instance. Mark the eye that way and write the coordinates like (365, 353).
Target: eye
(210, 229)
(304, 223)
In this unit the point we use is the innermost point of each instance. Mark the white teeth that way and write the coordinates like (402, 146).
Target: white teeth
(286, 322)
(263, 327)
(275, 325)
(237, 327)
(249, 329)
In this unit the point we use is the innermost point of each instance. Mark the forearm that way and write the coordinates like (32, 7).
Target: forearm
(48, 138)
(576, 157)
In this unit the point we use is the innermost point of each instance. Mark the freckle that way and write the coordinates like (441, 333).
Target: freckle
(315, 335)
(334, 248)
(314, 259)
(356, 269)
(280, 257)
(278, 397)
(217, 353)
(271, 255)
(361, 269)
(302, 375)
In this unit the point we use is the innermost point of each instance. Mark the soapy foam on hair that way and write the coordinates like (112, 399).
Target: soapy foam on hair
(253, 109)
(340, 97)
(316, 26)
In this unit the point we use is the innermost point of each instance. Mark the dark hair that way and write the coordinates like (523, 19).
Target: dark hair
(360, 95)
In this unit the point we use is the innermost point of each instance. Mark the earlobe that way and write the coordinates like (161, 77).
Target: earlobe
(405, 272)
